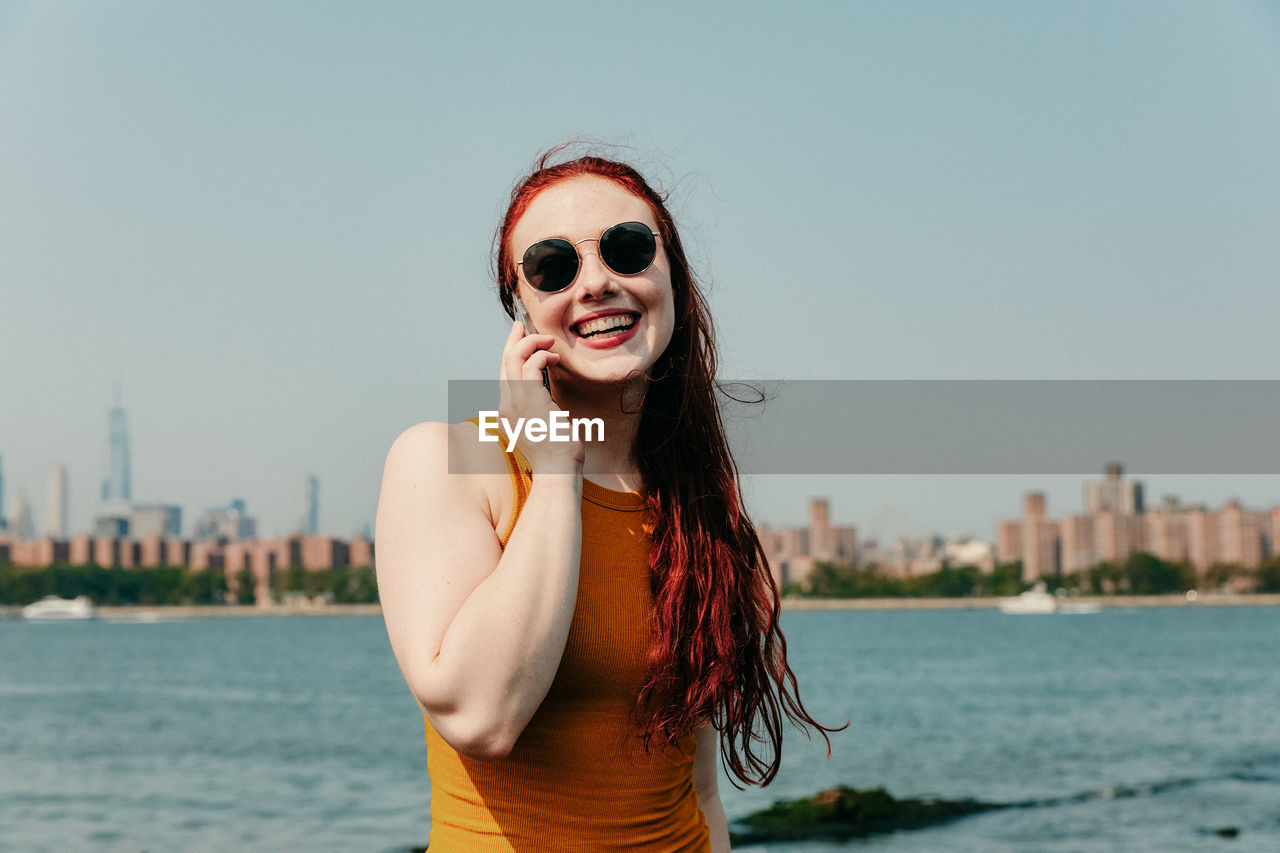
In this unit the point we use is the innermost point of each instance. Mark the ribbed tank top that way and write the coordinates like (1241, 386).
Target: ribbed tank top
(578, 778)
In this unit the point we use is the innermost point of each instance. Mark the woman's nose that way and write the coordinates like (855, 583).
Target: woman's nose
(595, 278)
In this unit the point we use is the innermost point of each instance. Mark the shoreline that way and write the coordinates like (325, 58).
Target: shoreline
(1266, 599)
(163, 612)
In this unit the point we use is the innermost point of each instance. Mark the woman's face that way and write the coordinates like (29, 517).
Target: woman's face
(639, 308)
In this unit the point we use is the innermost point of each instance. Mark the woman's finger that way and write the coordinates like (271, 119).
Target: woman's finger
(539, 361)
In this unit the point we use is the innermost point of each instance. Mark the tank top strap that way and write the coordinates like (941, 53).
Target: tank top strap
(521, 481)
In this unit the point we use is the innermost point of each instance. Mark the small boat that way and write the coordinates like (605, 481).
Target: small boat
(51, 608)
(1035, 600)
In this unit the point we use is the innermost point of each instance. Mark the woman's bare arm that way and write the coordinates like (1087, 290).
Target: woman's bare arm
(478, 631)
(706, 767)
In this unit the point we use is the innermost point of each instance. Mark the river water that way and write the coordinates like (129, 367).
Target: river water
(1132, 729)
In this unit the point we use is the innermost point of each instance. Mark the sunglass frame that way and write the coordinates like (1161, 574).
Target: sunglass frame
(578, 255)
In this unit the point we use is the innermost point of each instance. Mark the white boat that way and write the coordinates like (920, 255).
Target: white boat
(52, 609)
(1035, 600)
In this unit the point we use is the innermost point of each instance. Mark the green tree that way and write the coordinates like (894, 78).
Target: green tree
(947, 582)
(1005, 579)
(1106, 579)
(245, 592)
(1147, 574)
(1221, 574)
(1268, 575)
(354, 585)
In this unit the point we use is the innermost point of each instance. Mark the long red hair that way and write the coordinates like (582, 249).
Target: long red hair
(717, 651)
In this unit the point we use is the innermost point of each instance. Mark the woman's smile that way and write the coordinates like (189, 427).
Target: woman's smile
(604, 329)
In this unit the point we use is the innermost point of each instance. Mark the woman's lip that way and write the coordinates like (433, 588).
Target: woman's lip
(608, 341)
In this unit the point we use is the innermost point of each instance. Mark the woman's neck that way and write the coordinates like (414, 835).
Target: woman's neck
(611, 462)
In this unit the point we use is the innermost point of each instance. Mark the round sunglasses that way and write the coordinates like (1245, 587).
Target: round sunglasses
(627, 248)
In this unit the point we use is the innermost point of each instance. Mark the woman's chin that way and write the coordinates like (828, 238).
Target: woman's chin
(584, 378)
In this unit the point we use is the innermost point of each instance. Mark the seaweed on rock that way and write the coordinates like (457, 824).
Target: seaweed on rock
(842, 813)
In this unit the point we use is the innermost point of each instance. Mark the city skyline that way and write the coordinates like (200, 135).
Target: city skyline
(232, 522)
(1221, 545)
(115, 506)
(271, 225)
(885, 525)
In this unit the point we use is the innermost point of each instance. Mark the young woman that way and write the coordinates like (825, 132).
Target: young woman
(589, 629)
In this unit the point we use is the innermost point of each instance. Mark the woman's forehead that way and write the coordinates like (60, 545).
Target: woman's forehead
(579, 208)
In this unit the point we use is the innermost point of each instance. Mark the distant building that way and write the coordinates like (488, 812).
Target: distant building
(1008, 540)
(226, 524)
(792, 551)
(360, 551)
(1242, 535)
(967, 551)
(912, 557)
(38, 552)
(1077, 548)
(109, 526)
(118, 487)
(1116, 527)
(56, 506)
(20, 523)
(158, 520)
(4, 516)
(80, 550)
(324, 552)
(309, 519)
(1114, 494)
(1167, 536)
(1040, 540)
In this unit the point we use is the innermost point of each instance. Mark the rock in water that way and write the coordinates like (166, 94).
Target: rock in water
(842, 813)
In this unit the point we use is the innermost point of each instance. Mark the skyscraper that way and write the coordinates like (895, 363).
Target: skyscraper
(56, 508)
(117, 487)
(21, 525)
(310, 519)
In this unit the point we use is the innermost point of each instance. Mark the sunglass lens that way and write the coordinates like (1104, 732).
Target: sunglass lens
(551, 265)
(628, 248)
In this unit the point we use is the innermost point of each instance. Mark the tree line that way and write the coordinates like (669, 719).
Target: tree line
(1140, 574)
(21, 585)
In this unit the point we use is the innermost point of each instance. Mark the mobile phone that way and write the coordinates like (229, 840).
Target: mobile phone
(523, 316)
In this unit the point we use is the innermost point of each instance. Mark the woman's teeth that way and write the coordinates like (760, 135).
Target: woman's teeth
(606, 324)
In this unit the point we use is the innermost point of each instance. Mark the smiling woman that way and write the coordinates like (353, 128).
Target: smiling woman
(589, 631)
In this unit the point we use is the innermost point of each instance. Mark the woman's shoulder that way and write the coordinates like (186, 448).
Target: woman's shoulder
(452, 458)
(460, 448)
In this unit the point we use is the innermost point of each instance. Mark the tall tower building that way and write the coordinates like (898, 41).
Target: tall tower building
(1041, 540)
(117, 488)
(821, 546)
(56, 508)
(309, 522)
(4, 516)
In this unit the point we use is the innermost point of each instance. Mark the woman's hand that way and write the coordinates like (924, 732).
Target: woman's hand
(521, 394)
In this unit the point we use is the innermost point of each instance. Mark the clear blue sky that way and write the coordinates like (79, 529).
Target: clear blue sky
(271, 222)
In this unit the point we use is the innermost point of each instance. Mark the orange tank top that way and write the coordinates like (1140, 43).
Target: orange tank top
(578, 777)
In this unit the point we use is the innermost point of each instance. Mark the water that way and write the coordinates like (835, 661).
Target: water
(1142, 730)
